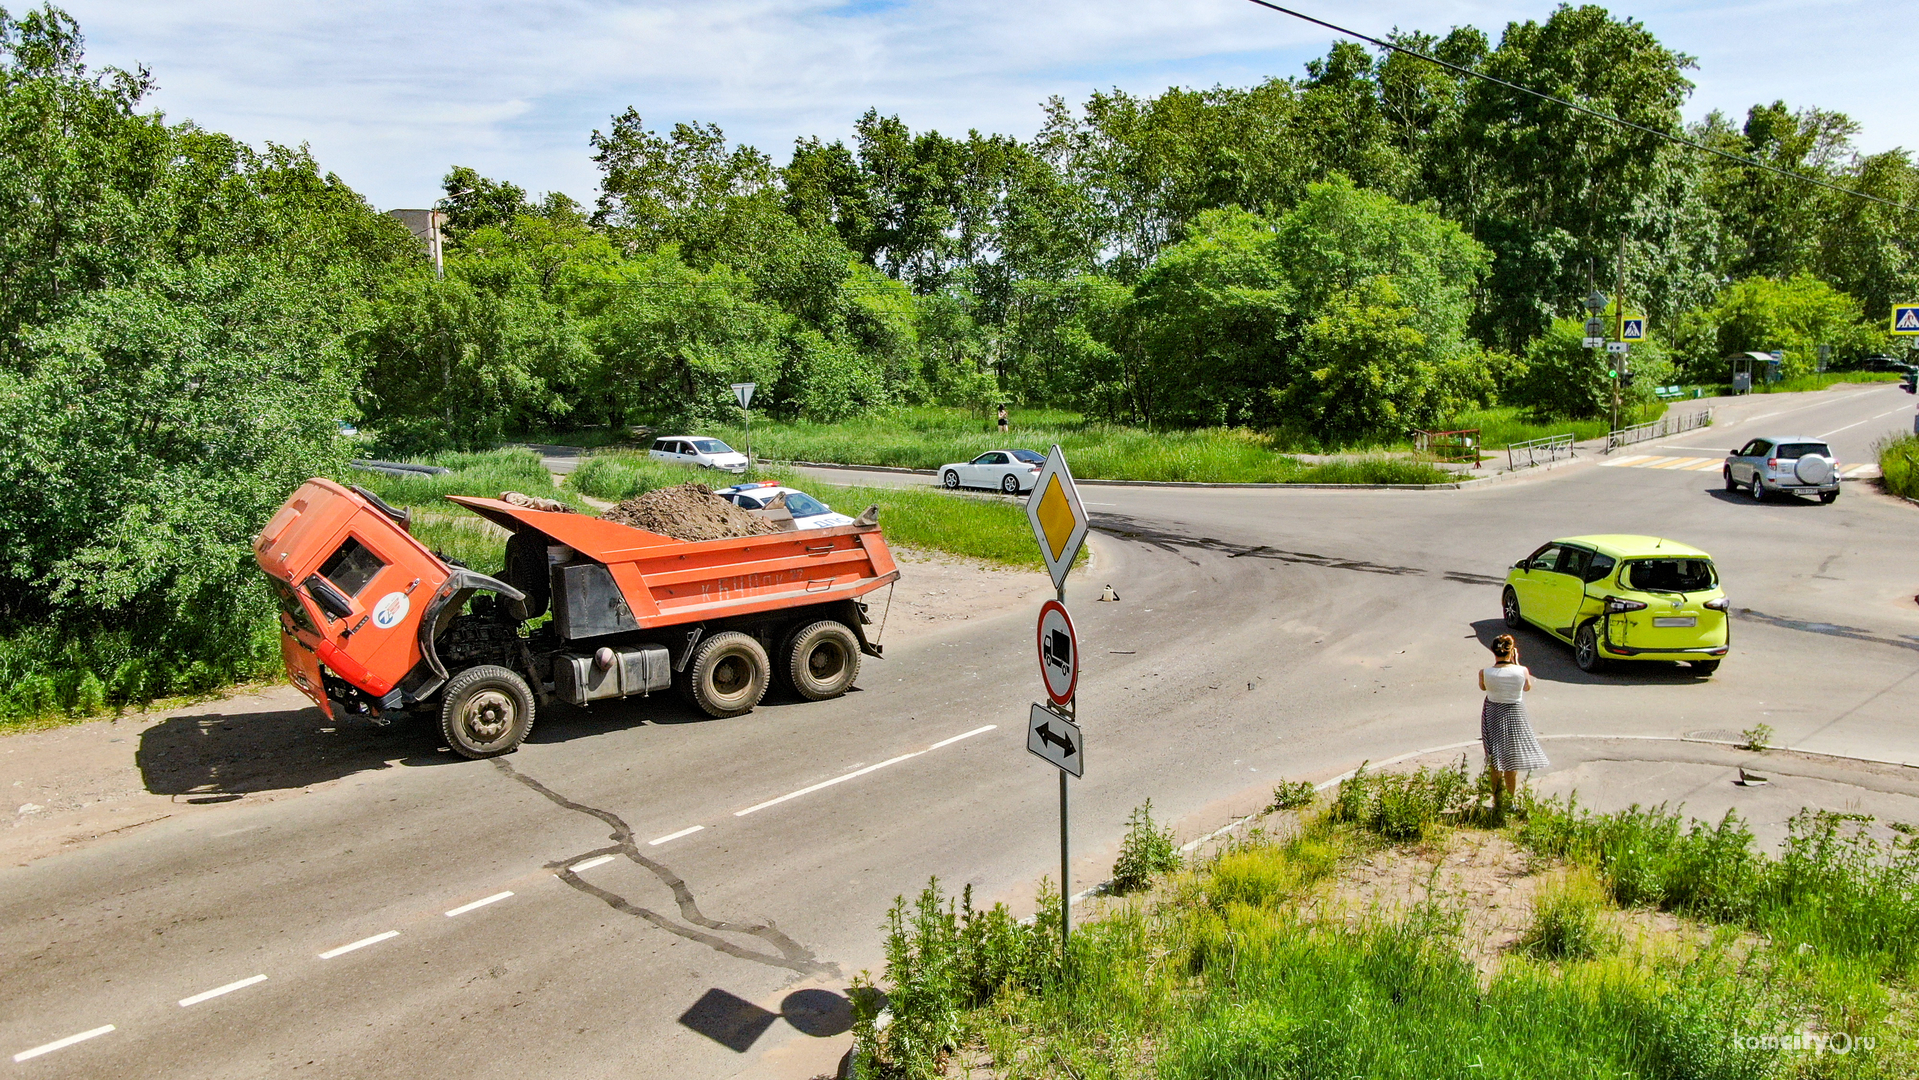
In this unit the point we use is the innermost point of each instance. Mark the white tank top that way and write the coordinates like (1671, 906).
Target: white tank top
(1505, 683)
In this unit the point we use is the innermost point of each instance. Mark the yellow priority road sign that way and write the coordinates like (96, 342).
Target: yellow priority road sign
(1058, 519)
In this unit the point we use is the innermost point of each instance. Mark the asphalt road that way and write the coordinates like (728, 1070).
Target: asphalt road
(1260, 635)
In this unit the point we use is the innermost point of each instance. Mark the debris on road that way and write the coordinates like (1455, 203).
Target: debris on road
(688, 511)
(534, 502)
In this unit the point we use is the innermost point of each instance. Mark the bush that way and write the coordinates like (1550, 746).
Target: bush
(1404, 806)
(1899, 465)
(1291, 795)
(943, 957)
(1145, 851)
(1568, 918)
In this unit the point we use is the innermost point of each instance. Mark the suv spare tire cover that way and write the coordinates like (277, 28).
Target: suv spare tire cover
(1813, 470)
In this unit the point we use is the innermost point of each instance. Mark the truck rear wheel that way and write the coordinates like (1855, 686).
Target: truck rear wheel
(822, 660)
(728, 675)
(486, 711)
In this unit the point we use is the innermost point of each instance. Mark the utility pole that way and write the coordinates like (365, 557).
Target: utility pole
(1619, 327)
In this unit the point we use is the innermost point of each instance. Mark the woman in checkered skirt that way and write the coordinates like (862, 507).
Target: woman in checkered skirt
(1511, 746)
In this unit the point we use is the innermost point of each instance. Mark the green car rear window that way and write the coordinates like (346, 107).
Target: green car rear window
(1669, 575)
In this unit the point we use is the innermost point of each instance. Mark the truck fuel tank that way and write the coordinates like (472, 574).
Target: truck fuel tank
(611, 672)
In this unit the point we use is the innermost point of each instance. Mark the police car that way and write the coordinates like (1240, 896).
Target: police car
(808, 512)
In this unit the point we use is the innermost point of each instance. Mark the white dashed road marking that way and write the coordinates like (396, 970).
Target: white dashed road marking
(360, 944)
(860, 772)
(597, 860)
(219, 990)
(464, 908)
(62, 1044)
(672, 836)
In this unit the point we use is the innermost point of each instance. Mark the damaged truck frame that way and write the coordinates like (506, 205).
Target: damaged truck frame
(373, 623)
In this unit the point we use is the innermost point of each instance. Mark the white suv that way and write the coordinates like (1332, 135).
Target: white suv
(698, 450)
(1797, 465)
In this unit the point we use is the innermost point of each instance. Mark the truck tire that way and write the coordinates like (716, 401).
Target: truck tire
(486, 711)
(821, 660)
(728, 675)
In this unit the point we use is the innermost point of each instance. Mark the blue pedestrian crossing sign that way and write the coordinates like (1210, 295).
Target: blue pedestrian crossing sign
(1905, 320)
(1632, 329)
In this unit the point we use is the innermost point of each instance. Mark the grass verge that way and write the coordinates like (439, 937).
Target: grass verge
(986, 528)
(926, 438)
(1257, 963)
(1899, 465)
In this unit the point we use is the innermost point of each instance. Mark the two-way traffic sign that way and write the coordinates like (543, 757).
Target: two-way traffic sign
(1905, 320)
(1057, 739)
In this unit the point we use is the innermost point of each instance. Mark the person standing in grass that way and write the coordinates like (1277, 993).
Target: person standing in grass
(1504, 727)
(1004, 427)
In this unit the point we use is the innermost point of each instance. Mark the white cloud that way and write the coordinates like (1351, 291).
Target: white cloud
(390, 95)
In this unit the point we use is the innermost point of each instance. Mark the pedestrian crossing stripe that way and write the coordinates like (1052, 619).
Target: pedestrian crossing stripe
(1695, 464)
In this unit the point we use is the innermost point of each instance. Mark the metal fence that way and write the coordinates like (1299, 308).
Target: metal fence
(1453, 446)
(1656, 429)
(1524, 455)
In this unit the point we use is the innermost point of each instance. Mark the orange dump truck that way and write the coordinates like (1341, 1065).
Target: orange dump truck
(374, 623)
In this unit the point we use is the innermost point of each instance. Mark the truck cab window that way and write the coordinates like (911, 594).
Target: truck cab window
(291, 607)
(351, 567)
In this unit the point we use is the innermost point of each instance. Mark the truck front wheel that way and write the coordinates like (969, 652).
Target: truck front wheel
(486, 711)
(728, 675)
(822, 660)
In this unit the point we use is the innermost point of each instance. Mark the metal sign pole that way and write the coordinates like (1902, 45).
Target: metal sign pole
(1065, 844)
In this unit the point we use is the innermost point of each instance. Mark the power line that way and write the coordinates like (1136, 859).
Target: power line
(1576, 107)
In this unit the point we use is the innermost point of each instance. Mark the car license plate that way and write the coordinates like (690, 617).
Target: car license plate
(1677, 620)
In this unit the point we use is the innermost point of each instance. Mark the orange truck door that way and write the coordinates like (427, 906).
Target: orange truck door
(380, 578)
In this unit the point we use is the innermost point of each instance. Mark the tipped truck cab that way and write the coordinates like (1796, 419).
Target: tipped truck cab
(1622, 598)
(374, 623)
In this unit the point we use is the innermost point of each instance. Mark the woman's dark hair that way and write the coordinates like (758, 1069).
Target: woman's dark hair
(1504, 647)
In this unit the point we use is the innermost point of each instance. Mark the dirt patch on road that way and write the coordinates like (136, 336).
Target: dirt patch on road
(688, 512)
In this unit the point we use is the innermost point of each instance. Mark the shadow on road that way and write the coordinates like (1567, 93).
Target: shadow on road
(216, 757)
(736, 1023)
(1742, 496)
(209, 756)
(1551, 659)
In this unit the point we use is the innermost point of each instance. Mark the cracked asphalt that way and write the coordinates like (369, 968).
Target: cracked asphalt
(643, 892)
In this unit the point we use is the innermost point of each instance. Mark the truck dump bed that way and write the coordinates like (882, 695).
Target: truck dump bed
(629, 579)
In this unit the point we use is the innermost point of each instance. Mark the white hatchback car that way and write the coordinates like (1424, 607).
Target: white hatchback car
(808, 512)
(698, 450)
(1011, 471)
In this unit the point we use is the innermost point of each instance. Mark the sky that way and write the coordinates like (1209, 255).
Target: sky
(390, 95)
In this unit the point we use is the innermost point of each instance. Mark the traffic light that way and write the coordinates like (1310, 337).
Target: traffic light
(1626, 379)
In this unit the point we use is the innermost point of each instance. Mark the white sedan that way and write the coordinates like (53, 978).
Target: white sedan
(1011, 471)
(807, 512)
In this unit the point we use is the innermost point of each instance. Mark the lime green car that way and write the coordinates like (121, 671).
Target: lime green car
(1622, 598)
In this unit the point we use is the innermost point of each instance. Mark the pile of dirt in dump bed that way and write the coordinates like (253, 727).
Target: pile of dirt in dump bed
(688, 512)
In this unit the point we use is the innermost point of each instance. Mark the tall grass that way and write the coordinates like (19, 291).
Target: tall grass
(1899, 465)
(1243, 968)
(1823, 380)
(485, 474)
(1507, 424)
(926, 438)
(990, 529)
(1834, 888)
